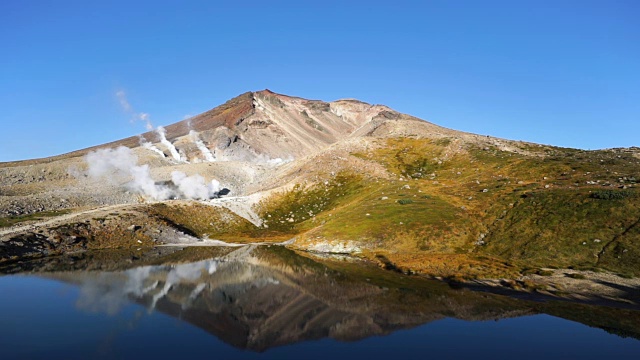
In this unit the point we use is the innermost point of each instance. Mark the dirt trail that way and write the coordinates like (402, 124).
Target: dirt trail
(58, 220)
(240, 205)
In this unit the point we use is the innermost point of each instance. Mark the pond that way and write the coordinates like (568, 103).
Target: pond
(269, 302)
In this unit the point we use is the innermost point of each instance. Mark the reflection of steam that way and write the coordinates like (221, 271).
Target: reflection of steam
(194, 294)
(120, 164)
(178, 274)
(172, 149)
(208, 156)
(109, 292)
(101, 295)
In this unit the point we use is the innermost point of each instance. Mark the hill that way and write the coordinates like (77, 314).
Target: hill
(335, 177)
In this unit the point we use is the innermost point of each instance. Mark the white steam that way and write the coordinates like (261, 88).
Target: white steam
(172, 149)
(120, 164)
(147, 120)
(277, 161)
(147, 145)
(194, 187)
(208, 156)
(264, 159)
(122, 98)
(126, 106)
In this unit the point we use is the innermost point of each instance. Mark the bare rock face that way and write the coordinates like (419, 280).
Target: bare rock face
(262, 126)
(278, 126)
(242, 144)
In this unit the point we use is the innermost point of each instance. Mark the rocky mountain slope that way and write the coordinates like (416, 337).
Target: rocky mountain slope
(339, 177)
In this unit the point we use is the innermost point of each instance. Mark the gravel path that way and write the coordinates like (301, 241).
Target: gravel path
(58, 220)
(239, 205)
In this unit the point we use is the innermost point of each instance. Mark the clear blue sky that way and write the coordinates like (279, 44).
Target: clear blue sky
(565, 73)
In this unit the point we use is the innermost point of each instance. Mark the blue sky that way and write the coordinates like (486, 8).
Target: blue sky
(565, 73)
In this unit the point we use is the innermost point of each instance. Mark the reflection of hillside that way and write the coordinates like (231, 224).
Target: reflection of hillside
(257, 298)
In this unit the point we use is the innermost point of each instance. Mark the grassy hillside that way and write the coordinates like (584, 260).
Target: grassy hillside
(450, 208)
(453, 208)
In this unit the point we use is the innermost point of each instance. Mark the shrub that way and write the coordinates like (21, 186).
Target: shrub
(405, 201)
(611, 194)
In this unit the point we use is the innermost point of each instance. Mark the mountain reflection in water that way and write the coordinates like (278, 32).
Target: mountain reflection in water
(261, 297)
(258, 298)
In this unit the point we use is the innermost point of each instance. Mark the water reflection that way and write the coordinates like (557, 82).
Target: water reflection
(182, 283)
(258, 298)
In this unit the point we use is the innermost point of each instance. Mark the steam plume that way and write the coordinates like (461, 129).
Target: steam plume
(172, 149)
(120, 164)
(147, 145)
(193, 187)
(264, 159)
(147, 120)
(126, 106)
(201, 146)
(122, 98)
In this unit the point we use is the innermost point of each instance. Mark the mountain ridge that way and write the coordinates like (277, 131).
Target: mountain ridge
(230, 114)
(350, 177)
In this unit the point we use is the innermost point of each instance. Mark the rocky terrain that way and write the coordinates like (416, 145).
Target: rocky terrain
(341, 177)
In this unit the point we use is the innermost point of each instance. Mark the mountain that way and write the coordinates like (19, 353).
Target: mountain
(264, 123)
(258, 297)
(335, 177)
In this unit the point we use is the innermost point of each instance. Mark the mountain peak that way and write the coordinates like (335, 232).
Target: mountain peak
(266, 91)
(265, 124)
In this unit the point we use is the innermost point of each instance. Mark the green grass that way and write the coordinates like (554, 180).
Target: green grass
(202, 220)
(536, 210)
(560, 227)
(612, 194)
(452, 204)
(296, 210)
(408, 223)
(14, 220)
(533, 210)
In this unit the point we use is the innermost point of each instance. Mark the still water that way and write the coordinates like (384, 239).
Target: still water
(255, 303)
